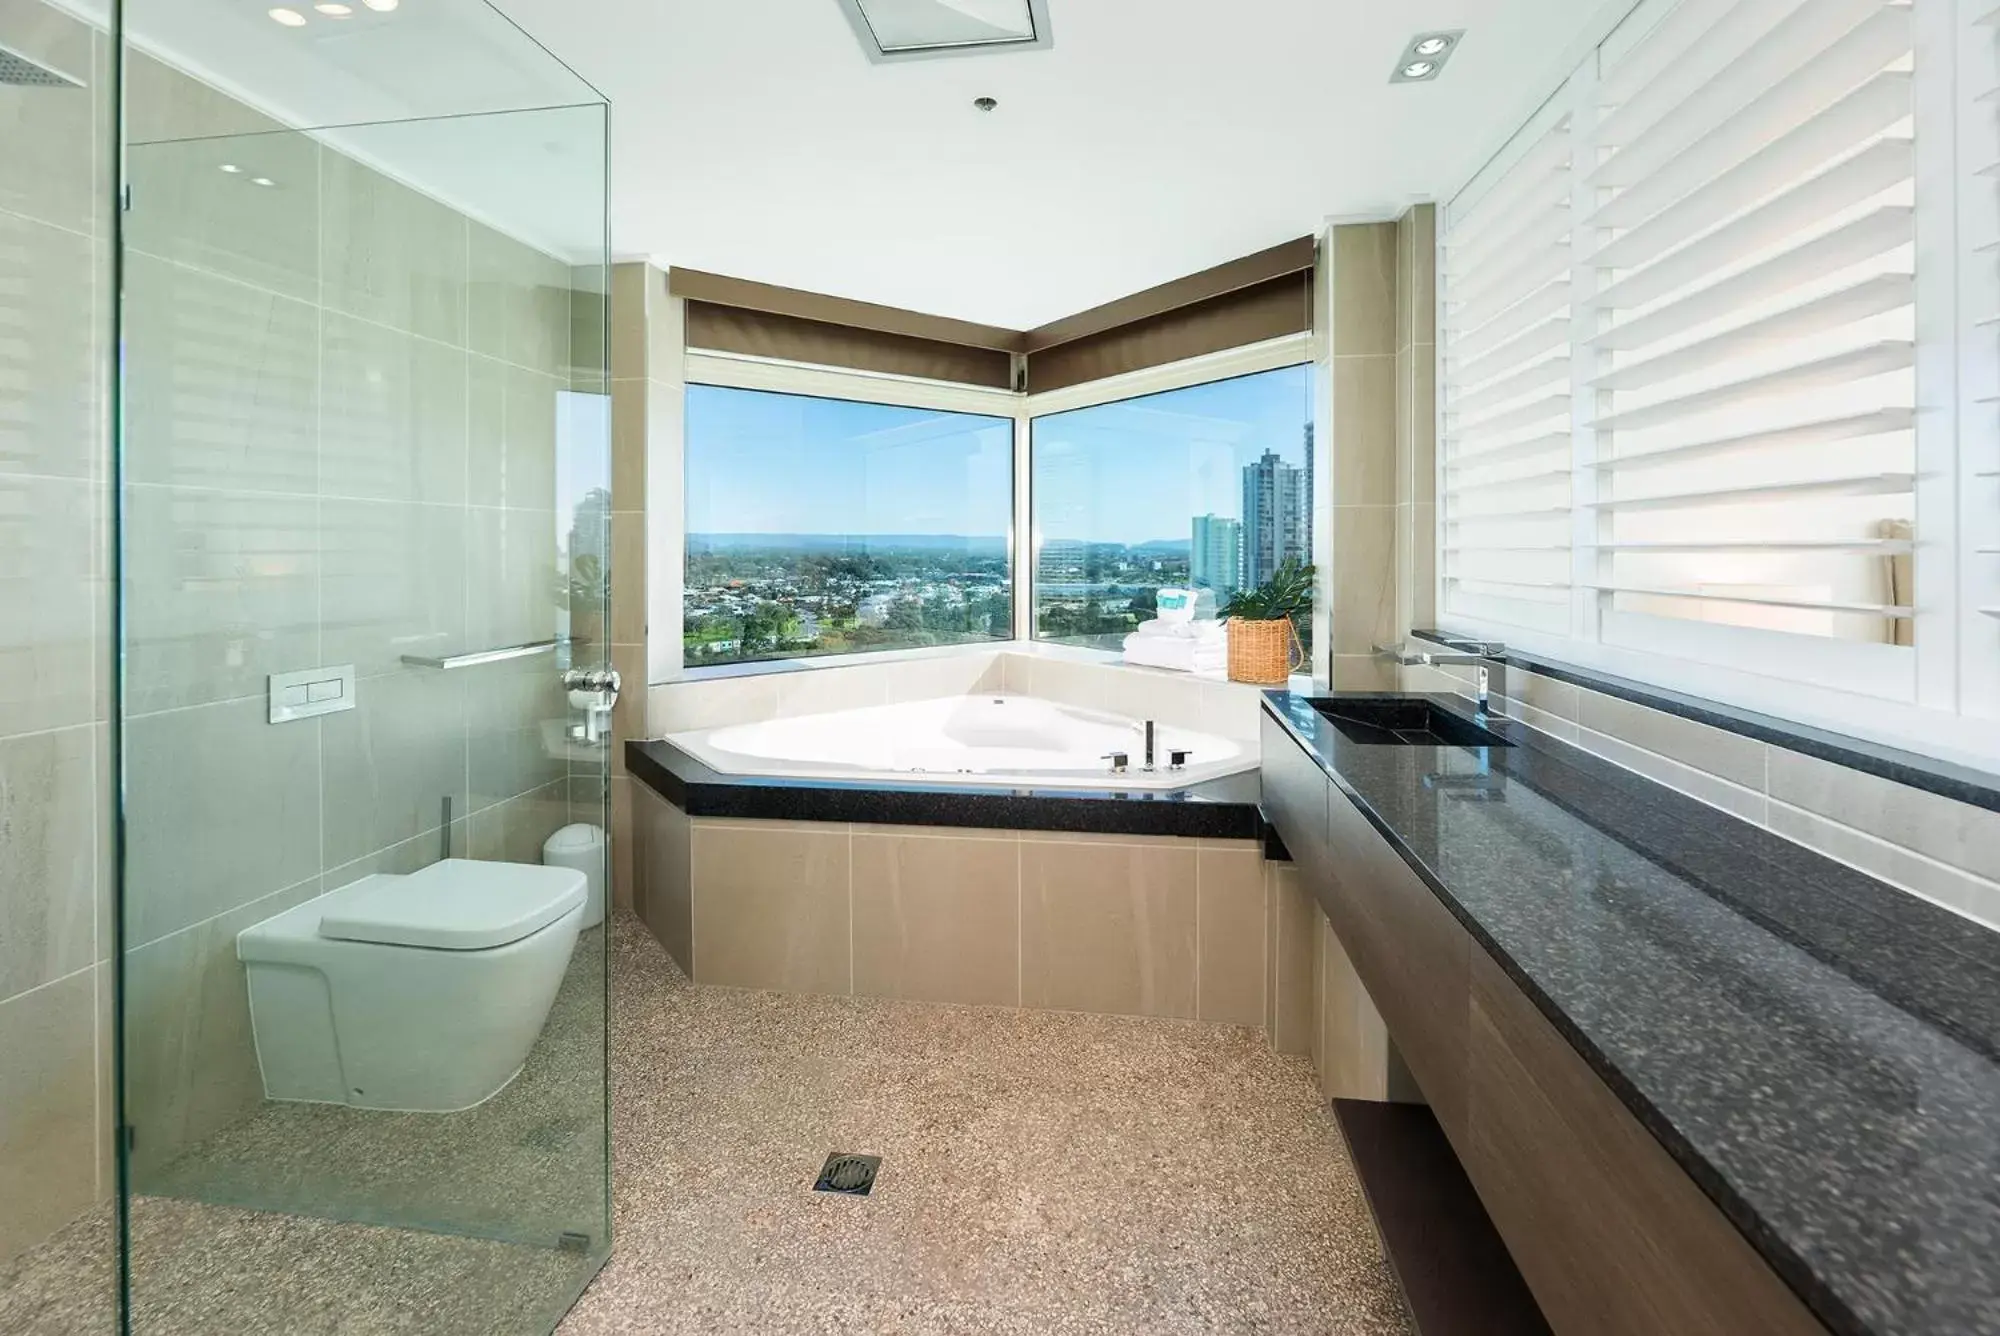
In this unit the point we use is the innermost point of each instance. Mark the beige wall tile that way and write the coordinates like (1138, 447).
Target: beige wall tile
(1744, 802)
(937, 920)
(390, 762)
(50, 595)
(1363, 672)
(222, 383)
(1546, 694)
(1232, 710)
(628, 320)
(1296, 922)
(511, 710)
(51, 135)
(1364, 431)
(629, 418)
(48, 1100)
(224, 590)
(771, 908)
(1364, 289)
(1364, 563)
(956, 674)
(664, 873)
(1951, 832)
(392, 582)
(1729, 756)
(191, 1057)
(48, 422)
(510, 564)
(511, 435)
(186, 209)
(683, 707)
(1229, 910)
(222, 808)
(514, 831)
(390, 254)
(1108, 928)
(628, 583)
(1975, 897)
(393, 425)
(517, 302)
(623, 837)
(1093, 837)
(824, 690)
(49, 830)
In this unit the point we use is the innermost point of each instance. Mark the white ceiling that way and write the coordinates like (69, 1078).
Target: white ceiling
(1158, 137)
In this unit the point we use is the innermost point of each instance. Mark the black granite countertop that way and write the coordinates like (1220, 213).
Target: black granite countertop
(1217, 809)
(1817, 1049)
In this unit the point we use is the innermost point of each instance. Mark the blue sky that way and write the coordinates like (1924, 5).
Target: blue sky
(1126, 472)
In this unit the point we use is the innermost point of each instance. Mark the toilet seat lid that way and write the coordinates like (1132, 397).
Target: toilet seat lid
(457, 904)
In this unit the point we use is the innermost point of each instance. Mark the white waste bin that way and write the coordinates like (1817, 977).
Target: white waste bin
(581, 846)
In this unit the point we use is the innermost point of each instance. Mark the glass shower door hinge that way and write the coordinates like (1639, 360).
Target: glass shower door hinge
(571, 1240)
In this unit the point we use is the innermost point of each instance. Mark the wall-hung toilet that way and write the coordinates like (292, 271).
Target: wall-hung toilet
(420, 993)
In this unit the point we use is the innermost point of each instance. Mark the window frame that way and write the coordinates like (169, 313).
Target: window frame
(1945, 699)
(762, 375)
(1293, 350)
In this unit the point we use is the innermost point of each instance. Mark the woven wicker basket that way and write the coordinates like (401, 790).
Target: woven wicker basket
(1263, 652)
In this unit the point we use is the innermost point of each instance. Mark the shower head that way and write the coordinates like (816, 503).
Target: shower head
(18, 70)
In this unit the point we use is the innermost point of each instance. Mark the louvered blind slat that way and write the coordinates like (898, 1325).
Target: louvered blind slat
(1753, 347)
(1505, 342)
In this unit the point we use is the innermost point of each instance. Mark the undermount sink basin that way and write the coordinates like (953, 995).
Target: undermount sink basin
(1404, 721)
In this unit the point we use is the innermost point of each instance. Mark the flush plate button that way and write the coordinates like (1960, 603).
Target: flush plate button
(311, 691)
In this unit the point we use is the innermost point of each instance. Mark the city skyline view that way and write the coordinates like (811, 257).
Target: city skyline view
(824, 526)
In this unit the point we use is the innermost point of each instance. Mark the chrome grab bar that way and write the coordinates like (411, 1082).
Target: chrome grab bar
(479, 657)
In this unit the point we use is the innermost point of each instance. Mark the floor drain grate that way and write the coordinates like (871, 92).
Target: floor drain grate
(850, 1175)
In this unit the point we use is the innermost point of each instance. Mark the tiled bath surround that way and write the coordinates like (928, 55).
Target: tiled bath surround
(341, 448)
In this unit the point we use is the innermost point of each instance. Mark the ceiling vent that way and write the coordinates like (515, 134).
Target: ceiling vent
(893, 30)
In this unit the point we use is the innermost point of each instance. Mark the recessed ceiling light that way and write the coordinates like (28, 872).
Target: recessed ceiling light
(918, 29)
(335, 11)
(231, 168)
(1423, 59)
(262, 181)
(291, 18)
(985, 103)
(381, 6)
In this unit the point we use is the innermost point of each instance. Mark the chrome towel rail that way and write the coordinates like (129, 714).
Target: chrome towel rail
(479, 657)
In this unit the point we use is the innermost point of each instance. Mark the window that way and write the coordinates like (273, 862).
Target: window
(827, 526)
(1207, 487)
(1706, 418)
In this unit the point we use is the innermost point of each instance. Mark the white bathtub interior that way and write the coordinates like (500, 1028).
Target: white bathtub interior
(994, 738)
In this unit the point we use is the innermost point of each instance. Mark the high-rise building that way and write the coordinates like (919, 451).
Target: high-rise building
(1277, 521)
(1215, 557)
(1308, 501)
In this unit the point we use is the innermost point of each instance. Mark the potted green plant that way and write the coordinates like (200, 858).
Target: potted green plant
(1264, 644)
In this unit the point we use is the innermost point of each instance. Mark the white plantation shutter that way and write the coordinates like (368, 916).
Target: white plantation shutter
(1978, 115)
(1505, 340)
(1750, 366)
(1719, 367)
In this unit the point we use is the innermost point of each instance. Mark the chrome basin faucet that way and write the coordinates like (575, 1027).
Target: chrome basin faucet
(1489, 679)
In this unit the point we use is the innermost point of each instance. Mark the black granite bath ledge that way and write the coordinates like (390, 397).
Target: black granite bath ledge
(1218, 809)
(1928, 773)
(1815, 1048)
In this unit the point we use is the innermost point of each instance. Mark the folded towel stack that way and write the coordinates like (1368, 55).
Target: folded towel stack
(1188, 647)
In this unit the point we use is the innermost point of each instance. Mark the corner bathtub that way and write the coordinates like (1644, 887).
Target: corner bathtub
(1017, 741)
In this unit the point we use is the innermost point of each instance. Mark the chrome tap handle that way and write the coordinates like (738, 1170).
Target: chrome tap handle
(1119, 761)
(592, 679)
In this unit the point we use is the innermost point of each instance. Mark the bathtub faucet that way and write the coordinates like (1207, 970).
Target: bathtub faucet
(1149, 744)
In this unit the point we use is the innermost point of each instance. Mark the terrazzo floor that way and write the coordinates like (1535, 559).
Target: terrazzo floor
(1042, 1172)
